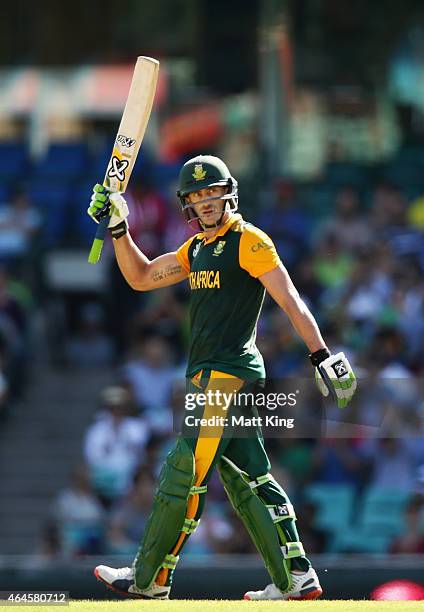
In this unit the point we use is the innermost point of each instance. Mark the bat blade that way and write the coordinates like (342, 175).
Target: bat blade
(129, 138)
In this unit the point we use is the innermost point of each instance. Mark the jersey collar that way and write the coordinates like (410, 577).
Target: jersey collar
(223, 229)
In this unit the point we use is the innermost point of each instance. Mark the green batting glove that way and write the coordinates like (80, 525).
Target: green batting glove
(334, 376)
(99, 203)
(104, 203)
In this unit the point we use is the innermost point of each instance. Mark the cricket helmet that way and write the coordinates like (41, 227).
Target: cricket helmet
(206, 171)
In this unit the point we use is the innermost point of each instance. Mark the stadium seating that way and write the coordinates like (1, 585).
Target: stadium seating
(5, 193)
(382, 510)
(354, 540)
(14, 160)
(334, 505)
(52, 201)
(367, 524)
(63, 161)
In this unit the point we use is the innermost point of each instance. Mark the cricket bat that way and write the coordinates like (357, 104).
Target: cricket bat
(129, 138)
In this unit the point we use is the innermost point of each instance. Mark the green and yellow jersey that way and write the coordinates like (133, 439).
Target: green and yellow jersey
(226, 297)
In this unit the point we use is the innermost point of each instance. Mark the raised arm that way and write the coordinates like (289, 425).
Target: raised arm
(141, 273)
(281, 288)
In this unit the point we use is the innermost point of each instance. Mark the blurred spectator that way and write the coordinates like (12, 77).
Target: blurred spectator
(148, 218)
(282, 350)
(296, 456)
(220, 532)
(3, 392)
(408, 304)
(177, 229)
(418, 488)
(388, 348)
(415, 213)
(394, 461)
(12, 314)
(286, 223)
(164, 313)
(79, 516)
(333, 264)
(367, 290)
(90, 346)
(19, 222)
(157, 448)
(390, 220)
(386, 207)
(411, 540)
(50, 540)
(348, 222)
(129, 515)
(339, 461)
(150, 375)
(114, 445)
(14, 341)
(306, 282)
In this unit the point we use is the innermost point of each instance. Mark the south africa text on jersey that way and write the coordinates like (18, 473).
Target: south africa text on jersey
(205, 279)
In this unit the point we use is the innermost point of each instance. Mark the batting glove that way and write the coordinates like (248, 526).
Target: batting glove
(104, 203)
(334, 376)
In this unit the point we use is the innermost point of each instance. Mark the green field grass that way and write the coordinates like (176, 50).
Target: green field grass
(232, 606)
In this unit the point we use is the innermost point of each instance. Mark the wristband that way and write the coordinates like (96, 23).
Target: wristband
(318, 356)
(117, 231)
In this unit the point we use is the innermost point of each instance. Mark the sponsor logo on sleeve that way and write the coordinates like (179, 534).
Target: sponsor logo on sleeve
(267, 246)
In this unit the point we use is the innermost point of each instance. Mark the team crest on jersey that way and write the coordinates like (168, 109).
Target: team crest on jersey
(199, 174)
(219, 248)
(196, 250)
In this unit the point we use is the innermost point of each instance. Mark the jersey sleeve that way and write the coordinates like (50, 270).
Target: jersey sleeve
(257, 254)
(182, 254)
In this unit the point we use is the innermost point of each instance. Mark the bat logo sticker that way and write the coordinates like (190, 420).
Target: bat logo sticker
(117, 168)
(125, 140)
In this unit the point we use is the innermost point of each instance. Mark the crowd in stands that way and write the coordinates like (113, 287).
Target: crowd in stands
(354, 246)
(15, 334)
(20, 222)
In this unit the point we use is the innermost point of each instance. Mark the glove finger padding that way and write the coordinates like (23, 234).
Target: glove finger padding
(99, 203)
(336, 374)
(104, 203)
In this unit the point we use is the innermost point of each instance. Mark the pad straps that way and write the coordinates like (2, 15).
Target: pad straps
(293, 549)
(260, 480)
(198, 490)
(170, 561)
(190, 526)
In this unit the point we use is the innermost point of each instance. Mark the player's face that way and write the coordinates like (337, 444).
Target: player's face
(208, 211)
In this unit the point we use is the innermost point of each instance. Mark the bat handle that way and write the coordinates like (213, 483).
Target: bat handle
(96, 247)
